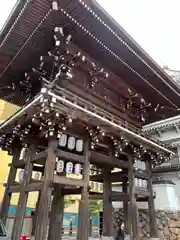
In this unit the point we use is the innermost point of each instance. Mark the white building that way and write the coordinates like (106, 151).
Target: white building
(168, 188)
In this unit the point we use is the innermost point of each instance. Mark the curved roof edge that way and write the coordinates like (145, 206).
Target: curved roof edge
(161, 124)
(162, 80)
(134, 45)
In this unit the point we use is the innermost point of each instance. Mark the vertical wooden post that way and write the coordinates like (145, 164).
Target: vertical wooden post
(80, 220)
(19, 219)
(83, 227)
(56, 215)
(151, 206)
(125, 206)
(34, 220)
(46, 192)
(107, 204)
(11, 178)
(133, 210)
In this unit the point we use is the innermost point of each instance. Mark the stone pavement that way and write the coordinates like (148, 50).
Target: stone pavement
(90, 238)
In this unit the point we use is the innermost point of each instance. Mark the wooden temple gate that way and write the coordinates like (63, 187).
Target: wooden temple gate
(78, 116)
(49, 211)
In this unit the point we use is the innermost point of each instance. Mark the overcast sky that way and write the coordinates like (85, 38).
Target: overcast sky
(152, 23)
(5, 9)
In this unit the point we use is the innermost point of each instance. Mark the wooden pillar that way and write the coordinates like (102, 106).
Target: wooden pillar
(80, 220)
(107, 204)
(83, 226)
(151, 206)
(133, 210)
(56, 215)
(34, 219)
(11, 178)
(46, 192)
(125, 206)
(23, 196)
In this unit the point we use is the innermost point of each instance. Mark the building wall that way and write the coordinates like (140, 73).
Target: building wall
(175, 178)
(6, 110)
(166, 197)
(168, 132)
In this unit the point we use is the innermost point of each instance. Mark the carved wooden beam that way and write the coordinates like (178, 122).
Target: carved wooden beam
(70, 156)
(71, 191)
(96, 158)
(68, 181)
(117, 197)
(118, 176)
(21, 164)
(32, 187)
(14, 188)
(113, 177)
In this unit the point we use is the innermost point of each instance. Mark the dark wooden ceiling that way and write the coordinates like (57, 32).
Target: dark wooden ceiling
(28, 35)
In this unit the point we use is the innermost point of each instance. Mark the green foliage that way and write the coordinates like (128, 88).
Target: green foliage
(95, 206)
(68, 201)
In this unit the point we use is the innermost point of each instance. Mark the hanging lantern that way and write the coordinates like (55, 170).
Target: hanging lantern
(37, 176)
(140, 183)
(77, 168)
(136, 182)
(60, 166)
(138, 164)
(144, 184)
(69, 167)
(71, 143)
(91, 185)
(63, 140)
(92, 172)
(101, 187)
(96, 187)
(21, 176)
(79, 145)
(143, 166)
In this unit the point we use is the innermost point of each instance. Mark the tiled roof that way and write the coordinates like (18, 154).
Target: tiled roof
(27, 36)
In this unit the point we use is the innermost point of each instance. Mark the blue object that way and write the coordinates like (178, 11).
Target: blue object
(67, 216)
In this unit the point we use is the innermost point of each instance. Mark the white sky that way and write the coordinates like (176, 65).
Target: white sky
(5, 9)
(154, 24)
